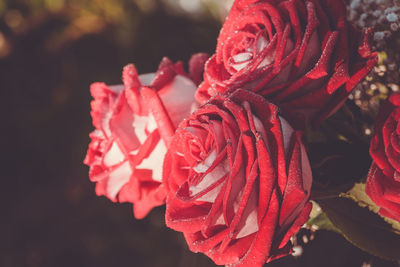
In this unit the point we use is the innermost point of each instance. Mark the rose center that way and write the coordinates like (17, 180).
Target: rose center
(254, 47)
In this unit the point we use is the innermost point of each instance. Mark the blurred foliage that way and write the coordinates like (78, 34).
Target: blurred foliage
(124, 18)
(50, 52)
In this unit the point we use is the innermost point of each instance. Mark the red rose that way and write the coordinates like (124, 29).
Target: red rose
(383, 182)
(301, 55)
(134, 123)
(238, 180)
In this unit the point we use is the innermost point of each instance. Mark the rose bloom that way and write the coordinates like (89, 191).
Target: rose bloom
(383, 182)
(134, 123)
(238, 181)
(301, 55)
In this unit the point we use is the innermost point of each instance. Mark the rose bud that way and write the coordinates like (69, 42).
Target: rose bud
(134, 123)
(301, 55)
(238, 181)
(383, 182)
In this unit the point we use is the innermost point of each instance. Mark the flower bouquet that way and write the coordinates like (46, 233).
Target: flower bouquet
(252, 143)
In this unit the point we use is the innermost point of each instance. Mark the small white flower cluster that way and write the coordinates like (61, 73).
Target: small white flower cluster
(384, 15)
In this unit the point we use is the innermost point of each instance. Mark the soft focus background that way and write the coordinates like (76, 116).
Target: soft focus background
(50, 52)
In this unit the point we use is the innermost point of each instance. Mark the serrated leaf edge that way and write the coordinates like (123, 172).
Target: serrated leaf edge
(370, 205)
(360, 246)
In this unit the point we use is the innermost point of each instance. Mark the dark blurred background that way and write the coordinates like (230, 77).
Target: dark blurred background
(50, 52)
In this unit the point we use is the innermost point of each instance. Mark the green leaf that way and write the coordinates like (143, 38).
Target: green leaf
(362, 227)
(382, 56)
(323, 223)
(358, 194)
